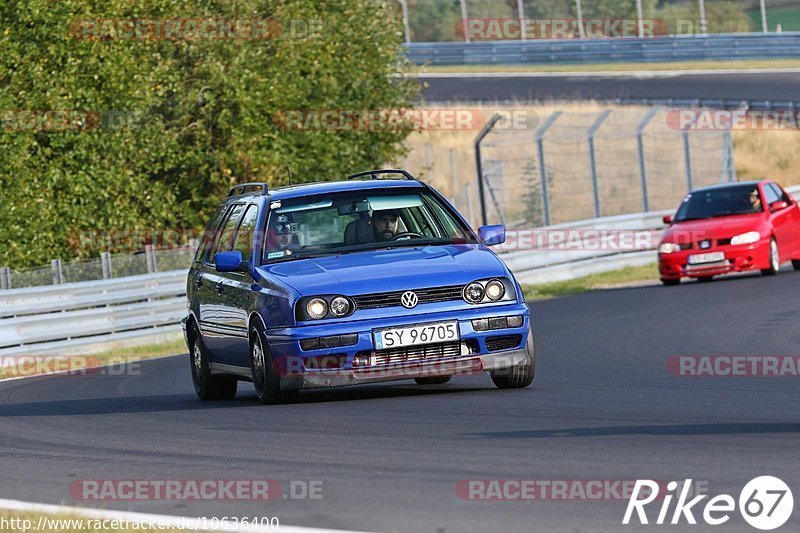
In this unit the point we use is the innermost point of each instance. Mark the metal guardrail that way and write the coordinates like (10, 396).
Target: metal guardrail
(627, 49)
(63, 318)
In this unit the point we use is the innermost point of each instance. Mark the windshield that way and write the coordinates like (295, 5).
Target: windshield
(737, 200)
(356, 221)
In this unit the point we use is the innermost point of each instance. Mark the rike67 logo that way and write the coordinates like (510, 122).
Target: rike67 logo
(765, 503)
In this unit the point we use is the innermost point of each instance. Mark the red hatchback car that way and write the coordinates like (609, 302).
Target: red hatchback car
(734, 227)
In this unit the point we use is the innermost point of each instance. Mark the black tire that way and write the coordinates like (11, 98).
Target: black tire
(518, 376)
(796, 264)
(706, 279)
(207, 386)
(434, 380)
(774, 259)
(670, 282)
(266, 379)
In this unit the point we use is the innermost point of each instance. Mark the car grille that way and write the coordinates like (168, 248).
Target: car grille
(392, 299)
(411, 354)
(504, 342)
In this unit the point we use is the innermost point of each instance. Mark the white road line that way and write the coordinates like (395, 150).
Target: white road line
(188, 523)
(607, 74)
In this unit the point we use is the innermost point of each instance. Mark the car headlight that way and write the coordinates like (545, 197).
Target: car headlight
(746, 238)
(485, 291)
(669, 247)
(340, 306)
(317, 308)
(473, 293)
(495, 290)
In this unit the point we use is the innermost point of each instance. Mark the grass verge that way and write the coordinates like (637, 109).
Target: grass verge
(621, 67)
(607, 280)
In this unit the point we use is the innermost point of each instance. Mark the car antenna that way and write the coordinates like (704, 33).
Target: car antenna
(286, 156)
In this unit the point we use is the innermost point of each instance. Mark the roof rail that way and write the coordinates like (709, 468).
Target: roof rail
(243, 186)
(374, 174)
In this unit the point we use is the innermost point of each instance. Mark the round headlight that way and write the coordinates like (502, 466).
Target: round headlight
(340, 306)
(473, 293)
(495, 290)
(317, 308)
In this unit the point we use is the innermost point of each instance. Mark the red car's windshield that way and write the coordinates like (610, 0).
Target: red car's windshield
(735, 200)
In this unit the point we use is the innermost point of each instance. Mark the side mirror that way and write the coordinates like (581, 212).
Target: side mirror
(492, 235)
(230, 262)
(667, 219)
(777, 206)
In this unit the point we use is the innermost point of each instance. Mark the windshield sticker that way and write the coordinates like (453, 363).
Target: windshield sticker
(275, 205)
(275, 255)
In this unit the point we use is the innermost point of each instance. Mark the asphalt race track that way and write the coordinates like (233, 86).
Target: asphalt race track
(758, 86)
(602, 407)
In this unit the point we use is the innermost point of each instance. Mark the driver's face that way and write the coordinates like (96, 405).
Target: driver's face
(385, 226)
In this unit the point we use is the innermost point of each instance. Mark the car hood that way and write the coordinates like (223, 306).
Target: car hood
(712, 228)
(388, 270)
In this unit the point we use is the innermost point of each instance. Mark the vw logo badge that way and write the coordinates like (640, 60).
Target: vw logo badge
(409, 300)
(705, 244)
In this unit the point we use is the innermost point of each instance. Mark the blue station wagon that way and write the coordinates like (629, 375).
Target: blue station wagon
(372, 279)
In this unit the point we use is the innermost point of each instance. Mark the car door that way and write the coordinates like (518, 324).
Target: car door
(213, 307)
(781, 222)
(792, 223)
(236, 296)
(195, 277)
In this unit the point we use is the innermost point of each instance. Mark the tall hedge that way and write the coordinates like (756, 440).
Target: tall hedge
(150, 132)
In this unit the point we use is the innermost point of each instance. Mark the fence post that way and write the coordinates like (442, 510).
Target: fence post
(483, 133)
(105, 262)
(5, 278)
(640, 146)
(150, 257)
(465, 20)
(540, 133)
(687, 158)
(428, 157)
(498, 165)
(453, 180)
(592, 163)
(58, 273)
(729, 169)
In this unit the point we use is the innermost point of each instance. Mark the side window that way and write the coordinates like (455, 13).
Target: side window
(782, 194)
(450, 228)
(209, 236)
(243, 242)
(225, 236)
(771, 194)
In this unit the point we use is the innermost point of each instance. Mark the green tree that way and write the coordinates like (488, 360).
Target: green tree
(172, 123)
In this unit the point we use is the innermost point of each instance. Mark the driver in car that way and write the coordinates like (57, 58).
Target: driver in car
(385, 224)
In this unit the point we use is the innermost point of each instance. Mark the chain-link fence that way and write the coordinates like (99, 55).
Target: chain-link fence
(106, 266)
(568, 166)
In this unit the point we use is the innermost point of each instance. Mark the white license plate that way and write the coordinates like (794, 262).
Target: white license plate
(711, 257)
(415, 335)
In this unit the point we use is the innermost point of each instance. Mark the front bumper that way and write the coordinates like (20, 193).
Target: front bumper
(472, 364)
(738, 258)
(285, 346)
